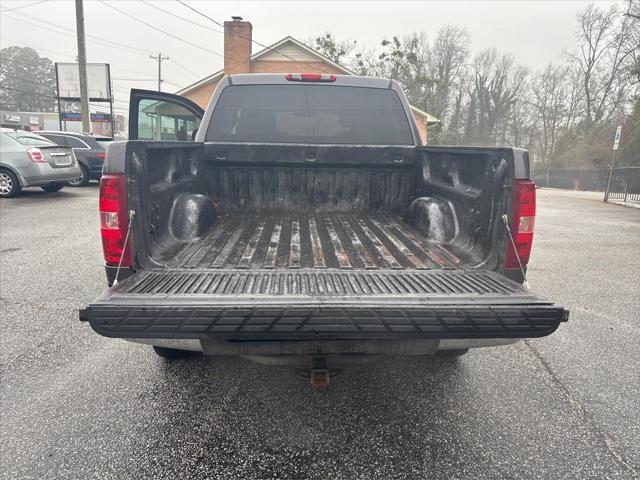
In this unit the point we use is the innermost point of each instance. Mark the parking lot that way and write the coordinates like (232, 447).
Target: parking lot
(77, 405)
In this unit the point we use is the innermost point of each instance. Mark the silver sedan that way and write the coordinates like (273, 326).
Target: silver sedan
(28, 160)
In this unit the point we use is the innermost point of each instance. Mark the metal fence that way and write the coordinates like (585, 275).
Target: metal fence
(625, 181)
(625, 185)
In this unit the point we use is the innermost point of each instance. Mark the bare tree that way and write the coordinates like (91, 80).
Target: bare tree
(405, 60)
(633, 9)
(632, 47)
(603, 52)
(337, 51)
(498, 82)
(551, 96)
(446, 65)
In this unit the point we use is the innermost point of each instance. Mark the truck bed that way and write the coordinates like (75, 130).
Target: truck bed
(251, 243)
(359, 240)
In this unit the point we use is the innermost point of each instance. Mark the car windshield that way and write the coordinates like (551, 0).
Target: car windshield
(30, 139)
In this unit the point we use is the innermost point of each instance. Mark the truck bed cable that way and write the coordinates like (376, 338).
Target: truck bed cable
(132, 215)
(505, 220)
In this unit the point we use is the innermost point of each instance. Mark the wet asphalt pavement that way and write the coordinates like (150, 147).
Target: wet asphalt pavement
(77, 405)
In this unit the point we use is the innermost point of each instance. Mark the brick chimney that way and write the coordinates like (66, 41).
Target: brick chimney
(237, 46)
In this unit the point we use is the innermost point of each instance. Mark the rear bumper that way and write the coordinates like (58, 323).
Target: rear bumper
(323, 322)
(43, 174)
(420, 347)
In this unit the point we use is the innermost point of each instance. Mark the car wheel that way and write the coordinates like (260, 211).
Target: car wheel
(82, 180)
(174, 353)
(9, 185)
(52, 187)
(452, 353)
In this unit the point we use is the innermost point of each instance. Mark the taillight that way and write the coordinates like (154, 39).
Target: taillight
(310, 77)
(113, 219)
(35, 155)
(101, 155)
(523, 216)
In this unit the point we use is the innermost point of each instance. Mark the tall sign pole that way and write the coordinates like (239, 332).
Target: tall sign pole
(616, 143)
(82, 65)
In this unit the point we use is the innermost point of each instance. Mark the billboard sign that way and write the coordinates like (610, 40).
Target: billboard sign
(98, 82)
(100, 117)
(70, 117)
(77, 117)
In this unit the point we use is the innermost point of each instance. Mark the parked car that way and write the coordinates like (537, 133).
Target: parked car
(28, 160)
(90, 151)
(307, 226)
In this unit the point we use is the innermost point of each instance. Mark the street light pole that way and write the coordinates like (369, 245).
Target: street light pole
(159, 58)
(82, 66)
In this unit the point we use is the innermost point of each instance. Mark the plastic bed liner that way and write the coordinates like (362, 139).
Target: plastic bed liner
(323, 240)
(313, 304)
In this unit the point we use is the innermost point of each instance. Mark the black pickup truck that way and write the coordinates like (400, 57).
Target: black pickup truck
(302, 223)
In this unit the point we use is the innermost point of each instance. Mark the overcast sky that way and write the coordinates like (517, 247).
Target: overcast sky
(536, 32)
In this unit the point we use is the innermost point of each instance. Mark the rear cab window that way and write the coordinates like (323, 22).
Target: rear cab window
(317, 114)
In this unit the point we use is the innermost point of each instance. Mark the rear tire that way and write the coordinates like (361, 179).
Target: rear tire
(9, 185)
(52, 187)
(174, 353)
(82, 180)
(451, 353)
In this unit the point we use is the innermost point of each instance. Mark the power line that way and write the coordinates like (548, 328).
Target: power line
(23, 6)
(180, 71)
(7, 60)
(36, 48)
(47, 26)
(202, 14)
(248, 38)
(106, 43)
(59, 53)
(130, 71)
(28, 93)
(20, 78)
(181, 18)
(186, 70)
(160, 30)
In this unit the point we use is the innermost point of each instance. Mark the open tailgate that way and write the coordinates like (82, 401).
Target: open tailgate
(308, 304)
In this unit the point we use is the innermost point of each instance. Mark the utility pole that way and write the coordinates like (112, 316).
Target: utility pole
(159, 58)
(82, 66)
